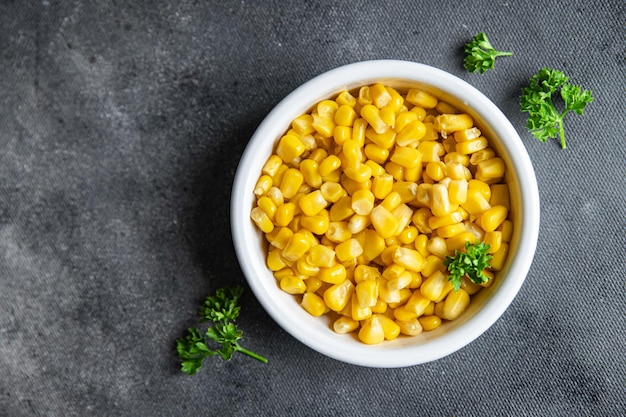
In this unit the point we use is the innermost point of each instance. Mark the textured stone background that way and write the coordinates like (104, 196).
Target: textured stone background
(121, 126)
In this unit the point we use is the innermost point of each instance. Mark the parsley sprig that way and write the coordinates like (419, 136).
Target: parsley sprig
(221, 309)
(472, 263)
(480, 55)
(544, 120)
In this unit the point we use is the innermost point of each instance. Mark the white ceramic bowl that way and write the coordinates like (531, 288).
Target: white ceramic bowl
(486, 306)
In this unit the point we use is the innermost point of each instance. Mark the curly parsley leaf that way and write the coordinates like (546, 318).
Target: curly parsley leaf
(472, 263)
(480, 55)
(222, 310)
(544, 120)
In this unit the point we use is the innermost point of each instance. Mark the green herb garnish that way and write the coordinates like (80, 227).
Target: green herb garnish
(480, 55)
(222, 310)
(544, 120)
(472, 263)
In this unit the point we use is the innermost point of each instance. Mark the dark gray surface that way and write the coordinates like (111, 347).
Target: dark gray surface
(121, 127)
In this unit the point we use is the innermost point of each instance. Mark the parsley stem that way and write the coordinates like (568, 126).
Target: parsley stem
(562, 133)
(250, 353)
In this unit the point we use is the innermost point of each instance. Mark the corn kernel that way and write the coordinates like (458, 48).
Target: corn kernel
(408, 235)
(475, 203)
(440, 203)
(433, 286)
(390, 328)
(379, 95)
(345, 324)
(421, 218)
(433, 264)
(457, 191)
(367, 292)
(281, 237)
(337, 296)
(291, 182)
(385, 140)
(507, 230)
(345, 115)
(493, 217)
(472, 146)
(293, 285)
(329, 164)
(410, 327)
(432, 151)
(358, 312)
(429, 322)
(313, 304)
(313, 284)
(412, 132)
(490, 169)
(338, 232)
(342, 209)
(261, 219)
(406, 157)
(467, 134)
(403, 119)
(498, 258)
(334, 274)
(482, 155)
(274, 260)
(317, 224)
(290, 147)
(383, 221)
(358, 223)
(345, 98)
(417, 304)
(376, 153)
(285, 214)
(373, 244)
(360, 173)
(332, 191)
(421, 98)
(372, 115)
(410, 259)
(402, 313)
(455, 304)
(382, 185)
(451, 230)
(457, 242)
(448, 123)
(347, 250)
(296, 247)
(263, 185)
(371, 332)
(358, 131)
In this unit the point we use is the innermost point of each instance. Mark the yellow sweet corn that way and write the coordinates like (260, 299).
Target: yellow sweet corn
(421, 98)
(263, 185)
(412, 132)
(274, 261)
(317, 224)
(313, 304)
(410, 327)
(337, 296)
(385, 140)
(342, 209)
(345, 324)
(281, 237)
(403, 119)
(433, 286)
(449, 123)
(348, 250)
(494, 240)
(493, 217)
(358, 312)
(507, 230)
(293, 285)
(408, 258)
(429, 322)
(467, 134)
(406, 157)
(358, 223)
(345, 98)
(373, 244)
(499, 196)
(358, 131)
(289, 147)
(383, 221)
(499, 257)
(261, 219)
(482, 155)
(334, 274)
(345, 115)
(471, 146)
(391, 329)
(431, 150)
(490, 169)
(338, 232)
(371, 332)
(328, 165)
(291, 182)
(376, 153)
(440, 203)
(372, 115)
(285, 214)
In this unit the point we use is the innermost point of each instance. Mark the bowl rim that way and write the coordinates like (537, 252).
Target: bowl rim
(347, 77)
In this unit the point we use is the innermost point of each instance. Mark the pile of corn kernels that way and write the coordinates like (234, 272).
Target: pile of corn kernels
(363, 199)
